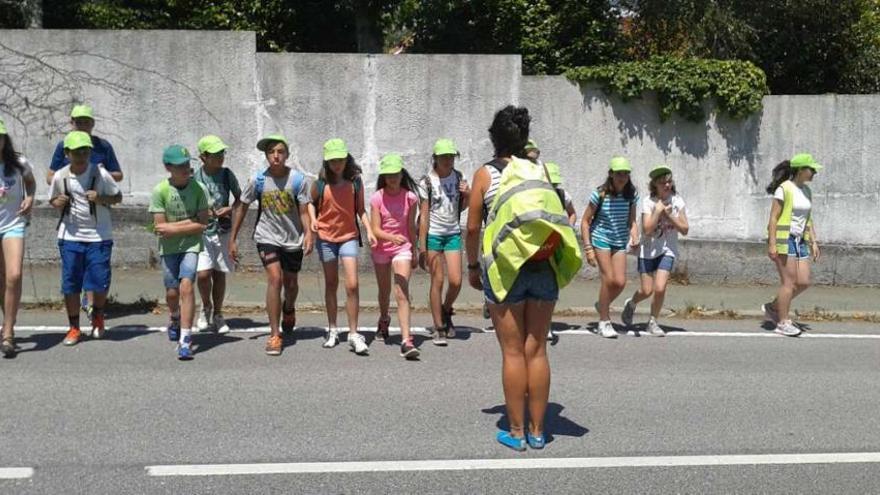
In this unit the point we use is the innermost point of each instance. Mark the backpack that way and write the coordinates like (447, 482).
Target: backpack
(260, 184)
(358, 184)
(225, 223)
(430, 189)
(92, 207)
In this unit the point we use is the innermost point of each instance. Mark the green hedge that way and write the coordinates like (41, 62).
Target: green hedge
(683, 84)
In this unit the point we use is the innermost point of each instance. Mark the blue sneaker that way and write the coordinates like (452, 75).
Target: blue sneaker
(174, 330)
(504, 438)
(184, 351)
(536, 442)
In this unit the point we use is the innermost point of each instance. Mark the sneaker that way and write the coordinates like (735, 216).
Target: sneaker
(73, 336)
(552, 337)
(447, 321)
(382, 328)
(770, 313)
(220, 324)
(331, 338)
(536, 442)
(288, 321)
(439, 337)
(788, 329)
(7, 347)
(607, 330)
(654, 329)
(408, 350)
(358, 344)
(204, 321)
(184, 350)
(174, 330)
(273, 345)
(486, 314)
(629, 309)
(98, 329)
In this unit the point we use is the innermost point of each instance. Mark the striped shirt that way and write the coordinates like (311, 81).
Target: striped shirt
(611, 223)
(494, 183)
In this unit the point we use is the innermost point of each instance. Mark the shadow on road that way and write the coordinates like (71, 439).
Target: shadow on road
(554, 422)
(204, 341)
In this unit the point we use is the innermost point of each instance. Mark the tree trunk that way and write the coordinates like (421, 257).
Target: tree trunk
(367, 29)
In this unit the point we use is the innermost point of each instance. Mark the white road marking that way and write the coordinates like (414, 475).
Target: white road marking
(424, 331)
(496, 464)
(16, 473)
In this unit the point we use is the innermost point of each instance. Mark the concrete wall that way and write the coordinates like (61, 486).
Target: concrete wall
(152, 88)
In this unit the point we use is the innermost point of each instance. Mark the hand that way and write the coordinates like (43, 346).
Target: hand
(659, 206)
(233, 250)
(163, 230)
(92, 196)
(474, 279)
(423, 260)
(26, 204)
(771, 252)
(223, 212)
(308, 243)
(668, 211)
(313, 226)
(591, 257)
(399, 240)
(814, 248)
(372, 240)
(633, 244)
(463, 186)
(61, 200)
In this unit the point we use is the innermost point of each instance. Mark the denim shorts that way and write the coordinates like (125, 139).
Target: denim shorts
(85, 266)
(536, 281)
(600, 244)
(664, 262)
(797, 248)
(179, 266)
(444, 242)
(331, 251)
(13, 233)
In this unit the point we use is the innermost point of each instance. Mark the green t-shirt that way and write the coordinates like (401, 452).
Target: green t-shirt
(219, 186)
(179, 204)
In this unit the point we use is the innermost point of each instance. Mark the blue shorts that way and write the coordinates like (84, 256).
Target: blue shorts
(330, 251)
(179, 266)
(13, 233)
(85, 266)
(664, 262)
(600, 244)
(797, 248)
(536, 281)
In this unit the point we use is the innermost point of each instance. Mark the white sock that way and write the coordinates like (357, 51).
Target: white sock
(185, 336)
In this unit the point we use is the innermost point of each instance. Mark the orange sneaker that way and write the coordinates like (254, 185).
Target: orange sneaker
(273, 345)
(98, 329)
(73, 336)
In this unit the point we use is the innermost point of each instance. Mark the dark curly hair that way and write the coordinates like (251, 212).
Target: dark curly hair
(510, 131)
(781, 173)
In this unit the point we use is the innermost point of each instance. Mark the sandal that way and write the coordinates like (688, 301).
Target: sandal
(506, 439)
(536, 442)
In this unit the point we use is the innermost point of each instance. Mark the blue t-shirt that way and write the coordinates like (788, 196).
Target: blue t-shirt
(102, 153)
(611, 223)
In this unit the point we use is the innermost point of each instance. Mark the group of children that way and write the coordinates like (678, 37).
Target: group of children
(198, 216)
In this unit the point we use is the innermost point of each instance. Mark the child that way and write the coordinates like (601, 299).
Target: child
(82, 192)
(444, 194)
(393, 217)
(282, 233)
(180, 208)
(214, 262)
(609, 230)
(555, 175)
(337, 205)
(663, 218)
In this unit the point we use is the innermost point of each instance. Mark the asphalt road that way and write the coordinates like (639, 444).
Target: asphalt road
(93, 418)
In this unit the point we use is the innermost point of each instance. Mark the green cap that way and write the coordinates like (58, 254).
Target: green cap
(75, 140)
(334, 149)
(263, 144)
(81, 111)
(176, 155)
(620, 164)
(211, 144)
(444, 147)
(658, 171)
(2, 127)
(553, 172)
(802, 160)
(390, 164)
(531, 145)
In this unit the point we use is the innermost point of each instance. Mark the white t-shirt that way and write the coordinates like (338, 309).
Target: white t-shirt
(12, 192)
(800, 209)
(444, 215)
(79, 223)
(663, 241)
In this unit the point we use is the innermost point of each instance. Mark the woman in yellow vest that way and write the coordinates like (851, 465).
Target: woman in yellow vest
(525, 262)
(791, 236)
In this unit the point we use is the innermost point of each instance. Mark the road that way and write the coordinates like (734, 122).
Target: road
(705, 410)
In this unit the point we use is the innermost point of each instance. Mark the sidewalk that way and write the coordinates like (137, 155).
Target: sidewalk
(247, 289)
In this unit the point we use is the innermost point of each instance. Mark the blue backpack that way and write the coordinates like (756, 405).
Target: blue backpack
(295, 182)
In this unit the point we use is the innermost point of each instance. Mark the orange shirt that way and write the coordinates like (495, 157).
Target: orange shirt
(336, 220)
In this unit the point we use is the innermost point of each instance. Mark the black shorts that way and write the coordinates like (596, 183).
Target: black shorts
(291, 261)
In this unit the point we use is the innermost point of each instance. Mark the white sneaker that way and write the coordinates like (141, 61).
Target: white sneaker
(607, 330)
(331, 338)
(220, 324)
(788, 329)
(358, 344)
(204, 322)
(629, 310)
(654, 329)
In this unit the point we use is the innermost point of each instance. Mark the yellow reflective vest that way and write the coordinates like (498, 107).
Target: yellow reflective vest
(526, 210)
(783, 225)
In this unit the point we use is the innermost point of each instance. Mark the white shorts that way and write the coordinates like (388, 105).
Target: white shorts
(215, 255)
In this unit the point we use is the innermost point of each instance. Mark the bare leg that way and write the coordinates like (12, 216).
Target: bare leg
(187, 303)
(537, 323)
(218, 290)
(435, 294)
(661, 279)
(787, 268)
(453, 269)
(12, 250)
(203, 278)
(402, 270)
(612, 268)
(509, 322)
(331, 283)
(352, 293)
(274, 280)
(383, 283)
